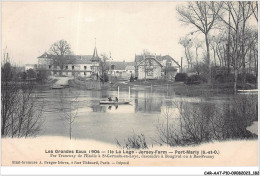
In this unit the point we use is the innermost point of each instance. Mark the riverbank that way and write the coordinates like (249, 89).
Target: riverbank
(88, 84)
(47, 151)
(179, 88)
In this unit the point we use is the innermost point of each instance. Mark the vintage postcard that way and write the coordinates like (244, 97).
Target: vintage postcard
(130, 84)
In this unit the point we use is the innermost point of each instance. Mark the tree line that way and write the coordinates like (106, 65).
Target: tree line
(230, 39)
(21, 113)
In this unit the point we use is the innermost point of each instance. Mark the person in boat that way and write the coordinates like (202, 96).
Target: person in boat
(109, 99)
(116, 99)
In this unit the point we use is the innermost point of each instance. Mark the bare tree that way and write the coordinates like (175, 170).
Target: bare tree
(187, 44)
(104, 68)
(164, 127)
(203, 15)
(239, 13)
(197, 45)
(60, 49)
(69, 109)
(204, 122)
(21, 112)
(254, 7)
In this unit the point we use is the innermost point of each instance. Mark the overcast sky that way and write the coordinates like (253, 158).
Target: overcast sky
(124, 28)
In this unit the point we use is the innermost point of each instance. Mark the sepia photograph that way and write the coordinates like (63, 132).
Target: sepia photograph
(109, 83)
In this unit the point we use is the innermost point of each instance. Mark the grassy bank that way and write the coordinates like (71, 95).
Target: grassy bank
(88, 84)
(179, 88)
(202, 90)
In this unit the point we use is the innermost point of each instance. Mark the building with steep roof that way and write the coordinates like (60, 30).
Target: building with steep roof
(70, 65)
(122, 70)
(170, 66)
(148, 66)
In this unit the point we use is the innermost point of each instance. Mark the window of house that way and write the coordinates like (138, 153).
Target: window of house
(149, 72)
(73, 67)
(150, 62)
(67, 67)
(85, 73)
(85, 68)
(112, 67)
(168, 64)
(49, 66)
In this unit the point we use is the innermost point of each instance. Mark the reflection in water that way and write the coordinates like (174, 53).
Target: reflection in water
(147, 102)
(98, 108)
(192, 120)
(204, 122)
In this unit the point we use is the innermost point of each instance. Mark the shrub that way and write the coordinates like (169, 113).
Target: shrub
(42, 76)
(134, 142)
(196, 79)
(224, 78)
(181, 77)
(250, 78)
(31, 73)
(106, 78)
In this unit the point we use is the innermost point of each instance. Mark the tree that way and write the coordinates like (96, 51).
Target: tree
(254, 7)
(200, 68)
(197, 45)
(239, 13)
(6, 72)
(203, 15)
(31, 73)
(69, 109)
(60, 49)
(19, 117)
(187, 44)
(42, 75)
(104, 67)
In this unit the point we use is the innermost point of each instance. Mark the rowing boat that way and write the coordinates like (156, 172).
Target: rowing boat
(113, 102)
(57, 87)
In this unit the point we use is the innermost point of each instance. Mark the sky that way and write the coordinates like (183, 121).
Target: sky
(122, 28)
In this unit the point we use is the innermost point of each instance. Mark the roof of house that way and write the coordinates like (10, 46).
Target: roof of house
(76, 59)
(169, 59)
(45, 55)
(70, 59)
(122, 65)
(130, 67)
(140, 58)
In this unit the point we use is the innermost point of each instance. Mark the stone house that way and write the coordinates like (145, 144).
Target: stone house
(73, 65)
(147, 67)
(170, 66)
(155, 67)
(122, 70)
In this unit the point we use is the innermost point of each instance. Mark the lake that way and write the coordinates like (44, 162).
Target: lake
(90, 120)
